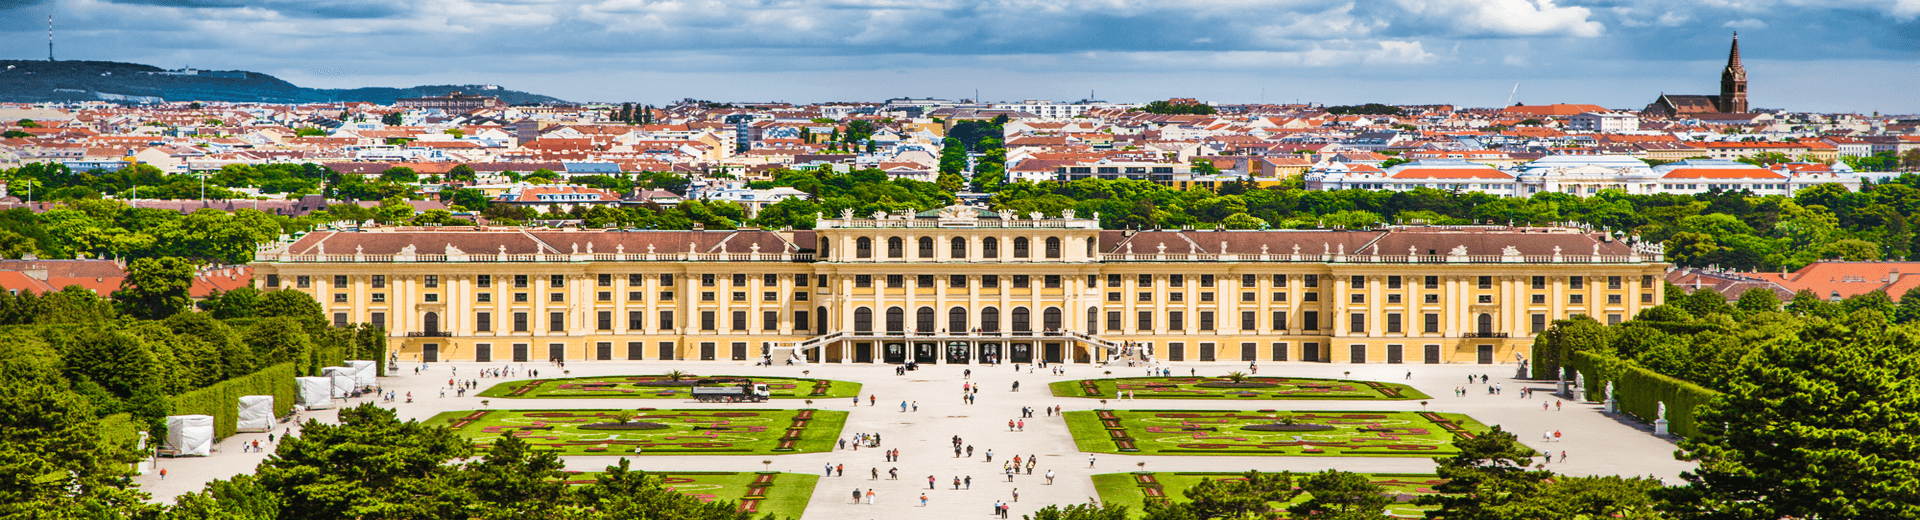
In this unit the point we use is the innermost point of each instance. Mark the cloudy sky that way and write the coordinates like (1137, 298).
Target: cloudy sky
(1822, 55)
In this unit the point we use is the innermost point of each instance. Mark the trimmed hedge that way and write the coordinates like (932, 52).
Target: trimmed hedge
(222, 400)
(1639, 391)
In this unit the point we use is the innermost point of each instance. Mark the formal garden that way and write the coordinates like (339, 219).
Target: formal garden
(648, 431)
(1233, 386)
(1271, 432)
(671, 385)
(783, 495)
(1135, 489)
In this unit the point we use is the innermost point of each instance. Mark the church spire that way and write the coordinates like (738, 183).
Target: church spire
(1733, 82)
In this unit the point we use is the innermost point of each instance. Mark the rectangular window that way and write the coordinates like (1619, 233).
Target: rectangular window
(1393, 298)
(378, 297)
(1485, 298)
(339, 281)
(636, 320)
(1093, 281)
(769, 296)
(636, 350)
(1431, 323)
(800, 296)
(1145, 280)
(1430, 298)
(1539, 323)
(1539, 299)
(769, 320)
(1113, 320)
(1539, 282)
(1646, 297)
(739, 320)
(1310, 297)
(605, 296)
(990, 281)
(1177, 296)
(1279, 351)
(340, 297)
(1358, 323)
(1279, 296)
(519, 322)
(557, 297)
(605, 280)
(1576, 282)
(636, 279)
(820, 281)
(1206, 296)
(1613, 299)
(1145, 296)
(1613, 282)
(1247, 296)
(800, 280)
(895, 281)
(379, 320)
(924, 281)
(708, 280)
(707, 321)
(1310, 320)
(634, 296)
(1393, 323)
(483, 281)
(1247, 321)
(1280, 320)
(1613, 319)
(1113, 296)
(769, 279)
(1206, 320)
(483, 321)
(339, 319)
(557, 280)
(1432, 282)
(1247, 280)
(379, 281)
(1576, 299)
(1206, 280)
(1312, 280)
(556, 321)
(666, 320)
(604, 320)
(1279, 280)
(957, 280)
(1356, 282)
(739, 280)
(519, 281)
(666, 280)
(1052, 281)
(1486, 282)
(1176, 320)
(1020, 281)
(1646, 281)
(1113, 280)
(273, 280)
(863, 280)
(1144, 321)
(1357, 298)
(800, 321)
(666, 350)
(1357, 353)
(1393, 282)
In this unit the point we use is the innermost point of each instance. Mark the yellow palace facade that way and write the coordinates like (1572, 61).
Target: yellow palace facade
(961, 285)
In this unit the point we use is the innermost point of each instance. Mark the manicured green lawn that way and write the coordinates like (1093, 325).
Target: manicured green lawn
(1132, 489)
(1220, 388)
(644, 387)
(687, 432)
(1216, 432)
(784, 495)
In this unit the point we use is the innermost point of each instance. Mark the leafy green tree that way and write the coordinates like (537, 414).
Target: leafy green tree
(372, 465)
(1818, 424)
(1757, 300)
(393, 210)
(621, 493)
(392, 119)
(469, 199)
(240, 303)
(16, 245)
(1597, 498)
(288, 303)
(1251, 496)
(1087, 511)
(1339, 495)
(55, 459)
(462, 172)
(155, 288)
(1488, 480)
(1909, 309)
(513, 481)
(399, 174)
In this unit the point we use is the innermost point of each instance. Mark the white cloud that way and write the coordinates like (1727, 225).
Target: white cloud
(1750, 23)
(1509, 17)
(1514, 60)
(1673, 19)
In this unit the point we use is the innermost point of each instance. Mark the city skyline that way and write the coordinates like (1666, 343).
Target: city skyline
(1615, 54)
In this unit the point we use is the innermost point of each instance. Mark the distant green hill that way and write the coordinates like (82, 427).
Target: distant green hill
(23, 81)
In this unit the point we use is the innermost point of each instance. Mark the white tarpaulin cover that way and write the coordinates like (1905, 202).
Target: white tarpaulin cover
(190, 435)
(364, 372)
(315, 392)
(342, 380)
(256, 413)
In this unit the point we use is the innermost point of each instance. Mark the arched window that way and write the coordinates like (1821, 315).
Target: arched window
(896, 320)
(863, 247)
(820, 319)
(1019, 247)
(1090, 251)
(990, 248)
(1486, 323)
(959, 247)
(1053, 247)
(923, 321)
(957, 319)
(896, 248)
(1050, 318)
(990, 319)
(926, 247)
(862, 319)
(1021, 322)
(824, 248)
(431, 323)
(1093, 319)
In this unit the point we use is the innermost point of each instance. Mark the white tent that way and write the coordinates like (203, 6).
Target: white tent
(343, 383)
(256, 413)
(190, 435)
(364, 372)
(315, 392)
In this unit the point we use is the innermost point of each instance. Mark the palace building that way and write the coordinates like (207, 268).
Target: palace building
(963, 285)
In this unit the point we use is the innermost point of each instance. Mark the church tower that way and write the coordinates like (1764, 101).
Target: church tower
(1733, 82)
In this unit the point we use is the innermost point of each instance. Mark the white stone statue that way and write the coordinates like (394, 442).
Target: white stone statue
(1596, 250)
(409, 250)
(1035, 215)
(322, 247)
(1413, 251)
(846, 214)
(1067, 213)
(589, 248)
(1460, 250)
(1609, 390)
(620, 249)
(649, 249)
(1556, 250)
(503, 249)
(1296, 249)
(357, 249)
(756, 247)
(1510, 251)
(575, 247)
(454, 250)
(1663, 410)
(879, 215)
(1163, 248)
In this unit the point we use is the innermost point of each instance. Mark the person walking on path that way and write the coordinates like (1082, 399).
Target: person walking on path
(856, 495)
(969, 481)
(876, 474)
(840, 470)
(1563, 457)
(923, 500)
(893, 473)
(956, 482)
(1089, 463)
(869, 496)
(930, 481)
(1049, 477)
(1016, 494)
